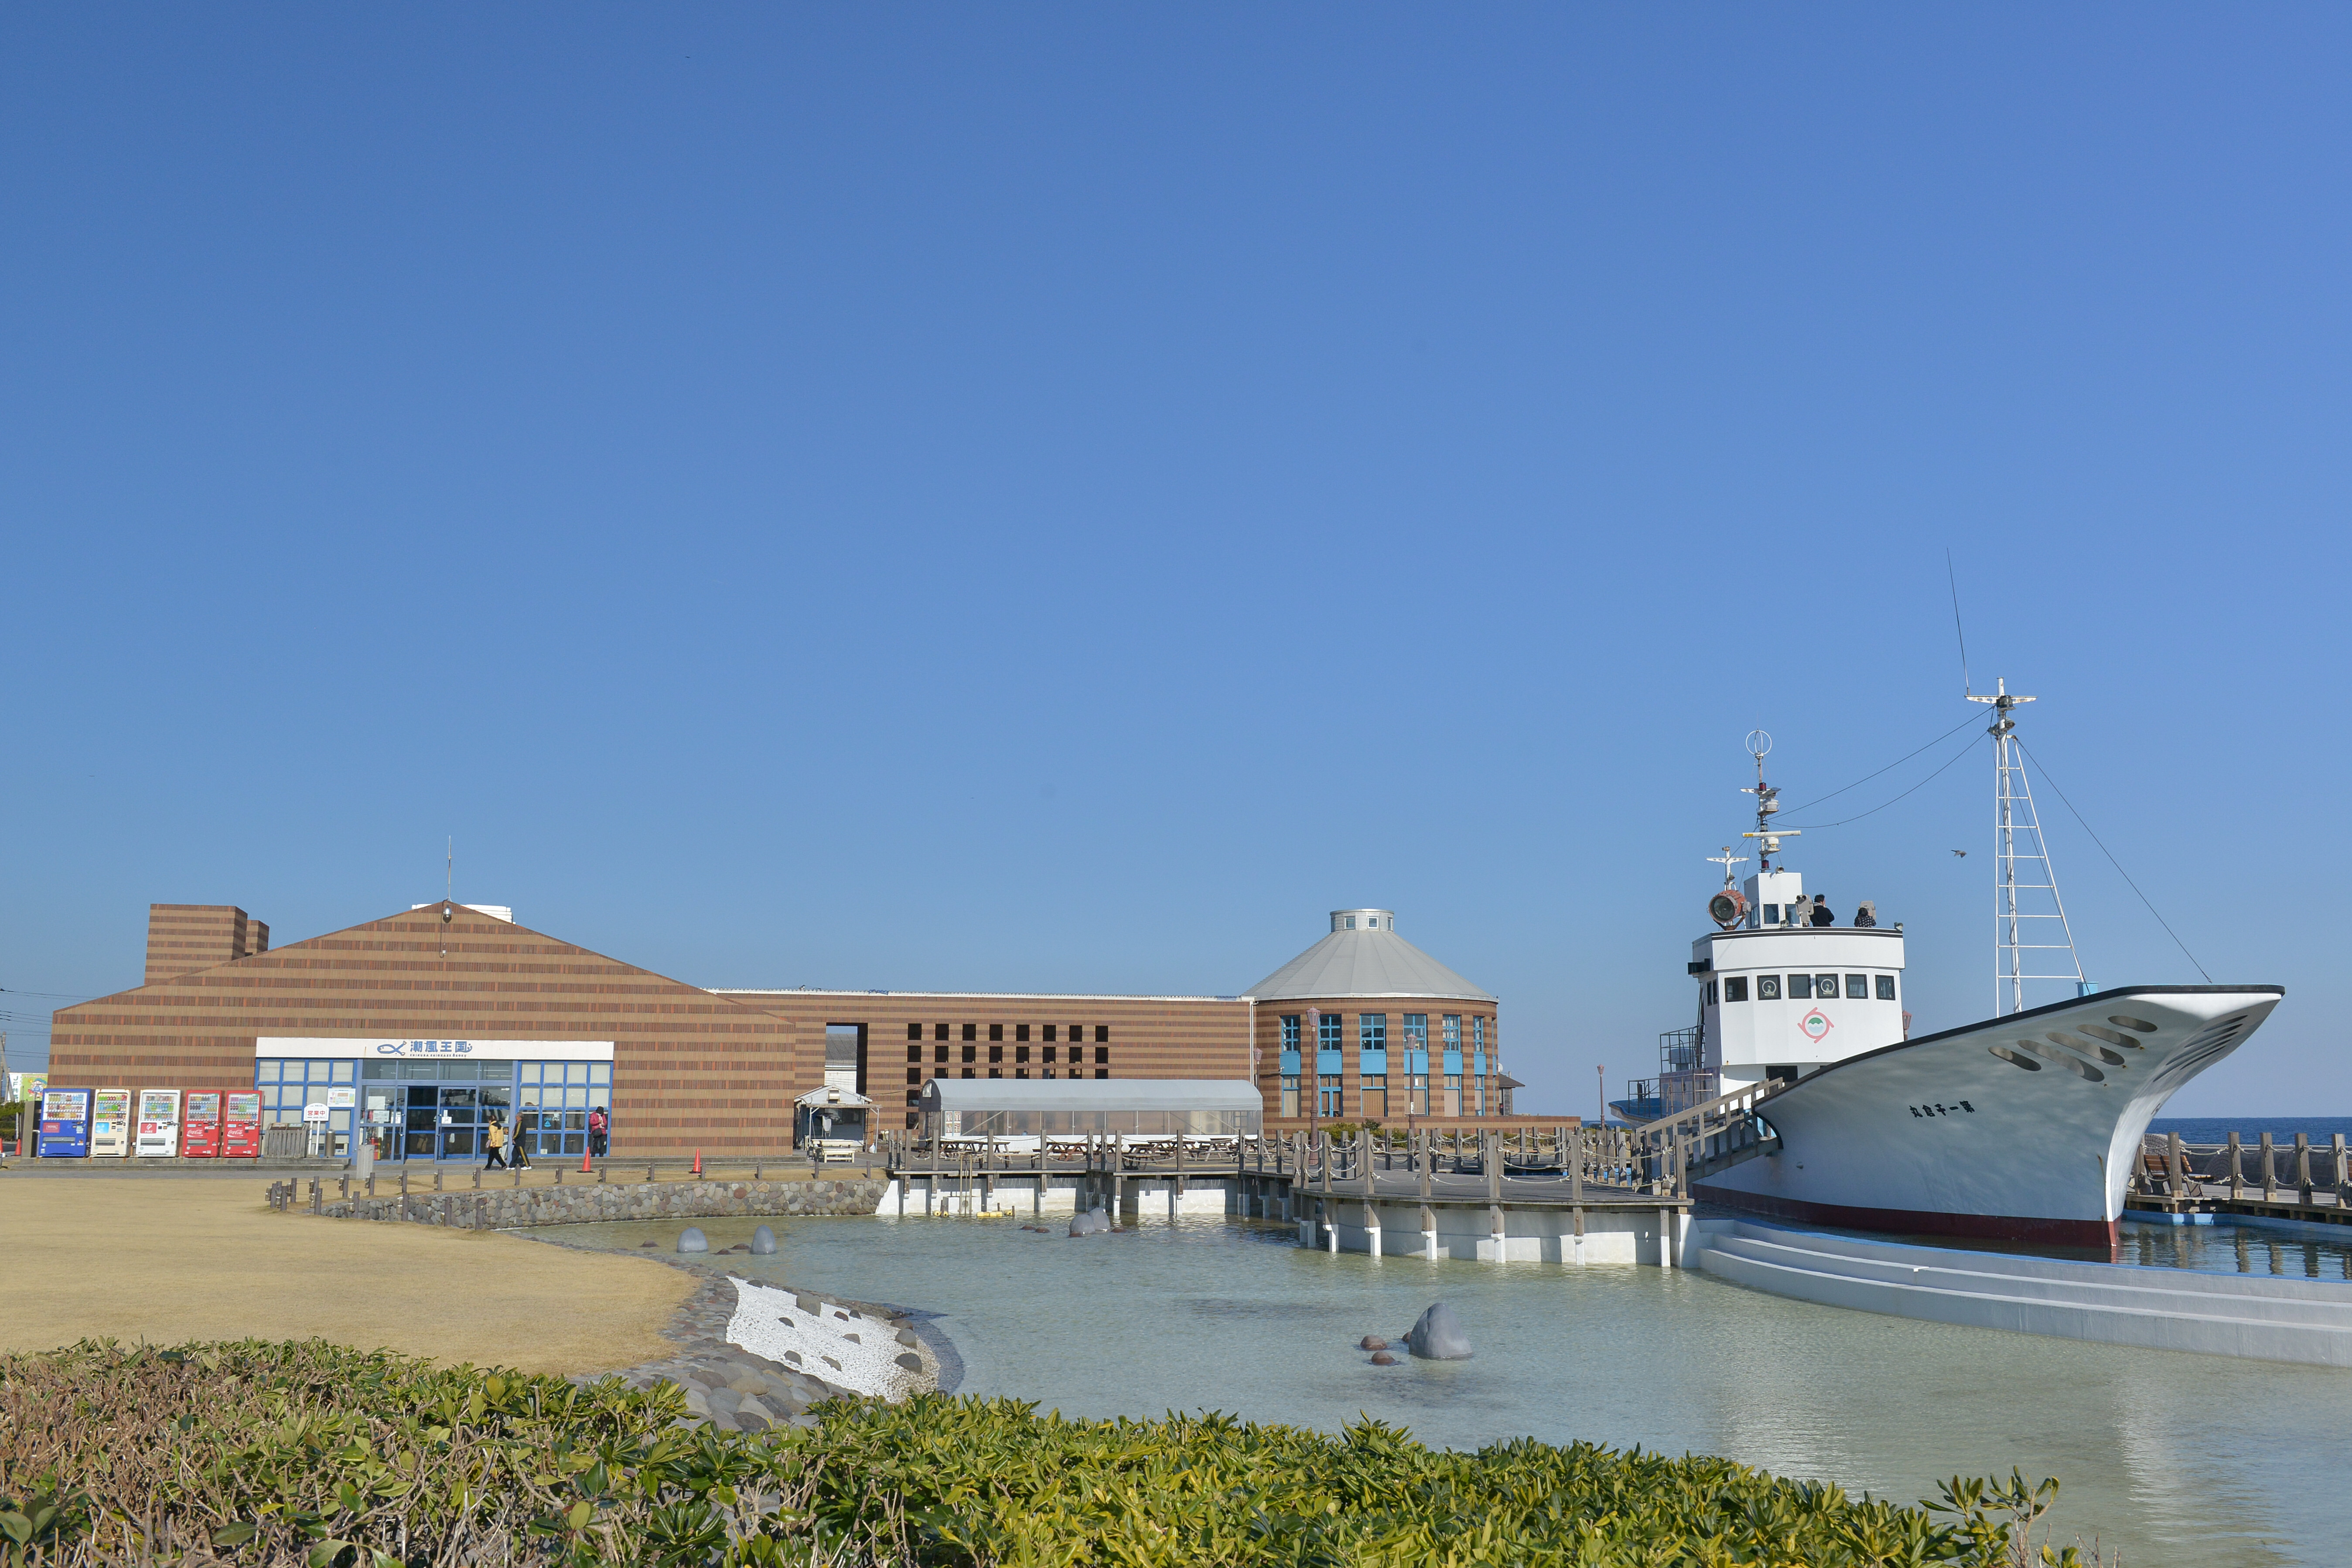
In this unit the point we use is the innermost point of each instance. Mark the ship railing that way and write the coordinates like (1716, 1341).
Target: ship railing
(1683, 1145)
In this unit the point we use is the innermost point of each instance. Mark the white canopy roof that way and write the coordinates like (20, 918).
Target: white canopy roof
(1367, 961)
(986, 1094)
(822, 1097)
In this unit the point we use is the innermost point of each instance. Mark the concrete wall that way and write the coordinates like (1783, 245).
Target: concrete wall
(499, 1209)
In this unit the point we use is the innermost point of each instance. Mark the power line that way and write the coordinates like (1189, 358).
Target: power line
(2118, 865)
(1897, 762)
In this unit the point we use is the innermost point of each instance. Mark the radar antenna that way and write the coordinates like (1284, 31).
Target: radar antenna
(1767, 801)
(2018, 851)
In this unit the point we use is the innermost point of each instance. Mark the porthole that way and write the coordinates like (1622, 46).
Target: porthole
(2101, 1032)
(2013, 1059)
(2071, 1063)
(2142, 1025)
(2111, 1058)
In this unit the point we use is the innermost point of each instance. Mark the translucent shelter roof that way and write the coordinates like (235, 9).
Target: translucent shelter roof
(986, 1094)
(1363, 956)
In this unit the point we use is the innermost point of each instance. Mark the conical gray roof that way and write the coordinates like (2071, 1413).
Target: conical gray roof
(1363, 956)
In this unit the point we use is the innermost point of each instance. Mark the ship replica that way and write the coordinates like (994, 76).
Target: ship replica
(2022, 1128)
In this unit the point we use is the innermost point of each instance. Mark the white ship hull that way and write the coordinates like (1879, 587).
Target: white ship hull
(1944, 1136)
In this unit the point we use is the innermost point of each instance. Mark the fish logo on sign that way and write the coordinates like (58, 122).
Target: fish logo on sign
(1816, 1025)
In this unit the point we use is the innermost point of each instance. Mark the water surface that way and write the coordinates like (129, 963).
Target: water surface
(2178, 1459)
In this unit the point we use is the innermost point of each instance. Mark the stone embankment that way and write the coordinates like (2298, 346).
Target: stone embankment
(503, 1208)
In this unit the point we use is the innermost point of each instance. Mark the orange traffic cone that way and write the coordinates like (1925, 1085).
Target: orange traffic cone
(586, 1169)
(697, 1162)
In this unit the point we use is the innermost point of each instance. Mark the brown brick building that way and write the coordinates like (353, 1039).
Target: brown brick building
(431, 1022)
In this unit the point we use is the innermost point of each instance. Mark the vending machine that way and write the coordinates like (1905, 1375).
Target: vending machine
(241, 1125)
(109, 1123)
(200, 1130)
(65, 1124)
(159, 1123)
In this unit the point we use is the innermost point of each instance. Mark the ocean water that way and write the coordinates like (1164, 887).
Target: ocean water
(2249, 1129)
(2176, 1459)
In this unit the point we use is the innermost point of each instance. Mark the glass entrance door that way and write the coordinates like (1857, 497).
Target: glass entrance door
(444, 1120)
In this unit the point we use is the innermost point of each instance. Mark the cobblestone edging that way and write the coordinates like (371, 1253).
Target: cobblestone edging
(496, 1208)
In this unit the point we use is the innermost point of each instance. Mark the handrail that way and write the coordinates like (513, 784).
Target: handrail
(1739, 1099)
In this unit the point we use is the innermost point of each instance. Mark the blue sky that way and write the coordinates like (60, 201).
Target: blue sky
(1060, 498)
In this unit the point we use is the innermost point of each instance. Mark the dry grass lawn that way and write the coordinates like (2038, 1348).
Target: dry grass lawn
(168, 1260)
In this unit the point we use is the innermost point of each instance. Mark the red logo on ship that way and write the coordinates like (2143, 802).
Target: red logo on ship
(1815, 1024)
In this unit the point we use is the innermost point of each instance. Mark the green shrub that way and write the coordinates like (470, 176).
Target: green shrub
(312, 1454)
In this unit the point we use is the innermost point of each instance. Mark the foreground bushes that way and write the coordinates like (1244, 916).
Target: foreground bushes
(311, 1454)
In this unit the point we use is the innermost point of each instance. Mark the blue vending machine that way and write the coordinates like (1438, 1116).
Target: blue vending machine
(65, 1124)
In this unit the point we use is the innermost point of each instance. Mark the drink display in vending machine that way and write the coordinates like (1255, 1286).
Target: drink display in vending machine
(65, 1124)
(200, 1130)
(109, 1123)
(241, 1125)
(159, 1123)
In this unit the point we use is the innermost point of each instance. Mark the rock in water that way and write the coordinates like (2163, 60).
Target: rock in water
(1382, 1358)
(692, 1239)
(1438, 1335)
(764, 1241)
(1094, 1222)
(1371, 1343)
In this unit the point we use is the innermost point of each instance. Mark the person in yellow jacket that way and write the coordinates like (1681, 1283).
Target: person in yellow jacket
(495, 1140)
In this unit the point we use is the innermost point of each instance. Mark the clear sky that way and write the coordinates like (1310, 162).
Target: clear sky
(1020, 497)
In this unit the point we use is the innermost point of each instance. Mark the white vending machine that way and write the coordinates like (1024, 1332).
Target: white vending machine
(159, 1123)
(109, 1122)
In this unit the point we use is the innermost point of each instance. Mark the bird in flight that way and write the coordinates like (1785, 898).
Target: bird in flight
(1961, 853)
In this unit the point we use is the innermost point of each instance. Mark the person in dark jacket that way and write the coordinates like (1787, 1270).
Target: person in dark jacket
(1821, 915)
(1866, 913)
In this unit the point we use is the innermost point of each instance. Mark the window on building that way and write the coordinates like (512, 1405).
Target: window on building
(1049, 1031)
(1416, 1089)
(914, 1053)
(1291, 1031)
(1800, 987)
(913, 1100)
(1373, 1031)
(940, 1032)
(1768, 988)
(971, 1053)
(1327, 1036)
(914, 1075)
(996, 1031)
(1478, 1034)
(1375, 1095)
(970, 1032)
(1347, 922)
(1077, 1031)
(1102, 1033)
(1049, 1053)
(1102, 1054)
(1102, 1072)
(939, 1055)
(1020, 1072)
(1020, 1054)
(996, 1072)
(1886, 988)
(1734, 988)
(967, 1072)
(1857, 987)
(1453, 1106)
(1020, 1031)
(914, 1031)
(1047, 1073)
(995, 1053)
(1330, 1096)
(1289, 1097)
(1416, 1031)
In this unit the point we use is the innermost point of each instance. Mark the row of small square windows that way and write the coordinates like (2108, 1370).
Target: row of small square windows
(914, 1096)
(1020, 1032)
(1803, 988)
(1019, 1053)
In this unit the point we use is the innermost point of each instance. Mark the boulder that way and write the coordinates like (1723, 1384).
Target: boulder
(1382, 1358)
(764, 1241)
(692, 1239)
(1437, 1335)
(1094, 1222)
(1371, 1343)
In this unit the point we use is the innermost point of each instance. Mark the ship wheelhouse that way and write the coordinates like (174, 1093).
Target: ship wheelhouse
(1779, 1000)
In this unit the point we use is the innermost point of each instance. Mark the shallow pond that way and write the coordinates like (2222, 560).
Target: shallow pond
(2176, 1459)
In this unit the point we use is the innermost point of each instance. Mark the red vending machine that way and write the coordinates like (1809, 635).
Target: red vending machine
(200, 1126)
(241, 1125)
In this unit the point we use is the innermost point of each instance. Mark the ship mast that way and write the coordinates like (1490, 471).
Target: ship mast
(1768, 802)
(2015, 822)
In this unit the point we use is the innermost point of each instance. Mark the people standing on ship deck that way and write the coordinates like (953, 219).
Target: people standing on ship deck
(1866, 913)
(1800, 911)
(1821, 913)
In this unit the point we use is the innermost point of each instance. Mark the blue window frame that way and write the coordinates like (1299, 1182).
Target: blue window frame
(1291, 1031)
(1373, 1031)
(1328, 1035)
(1453, 1031)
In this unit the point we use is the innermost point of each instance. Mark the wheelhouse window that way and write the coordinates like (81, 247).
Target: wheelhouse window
(1772, 914)
(1711, 997)
(1800, 987)
(1734, 988)
(1768, 988)
(1825, 987)
(1857, 987)
(1886, 988)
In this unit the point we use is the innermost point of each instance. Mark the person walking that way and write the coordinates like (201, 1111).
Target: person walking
(494, 1138)
(598, 1124)
(519, 1150)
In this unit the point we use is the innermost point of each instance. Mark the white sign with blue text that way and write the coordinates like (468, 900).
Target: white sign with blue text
(437, 1051)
